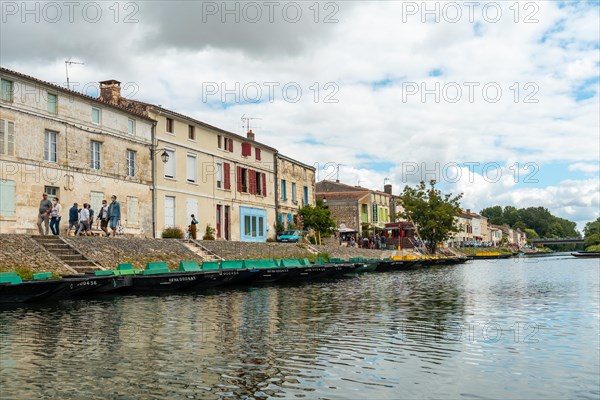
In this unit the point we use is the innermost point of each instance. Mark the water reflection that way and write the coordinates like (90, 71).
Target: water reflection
(487, 330)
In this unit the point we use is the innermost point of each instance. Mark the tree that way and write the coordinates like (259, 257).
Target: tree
(433, 213)
(318, 218)
(592, 228)
(493, 214)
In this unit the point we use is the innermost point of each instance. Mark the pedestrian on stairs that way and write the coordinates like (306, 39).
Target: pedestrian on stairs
(193, 224)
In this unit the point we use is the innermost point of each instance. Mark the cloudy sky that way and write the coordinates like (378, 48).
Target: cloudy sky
(498, 100)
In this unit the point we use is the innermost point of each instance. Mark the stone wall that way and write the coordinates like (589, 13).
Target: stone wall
(22, 252)
(109, 252)
(245, 250)
(345, 213)
(347, 252)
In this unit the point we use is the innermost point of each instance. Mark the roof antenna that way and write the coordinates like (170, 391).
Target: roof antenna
(246, 122)
(67, 63)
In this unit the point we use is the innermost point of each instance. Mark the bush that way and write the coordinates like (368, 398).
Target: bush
(209, 233)
(172, 233)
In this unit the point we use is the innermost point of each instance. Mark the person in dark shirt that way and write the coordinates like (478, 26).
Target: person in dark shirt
(73, 218)
(44, 214)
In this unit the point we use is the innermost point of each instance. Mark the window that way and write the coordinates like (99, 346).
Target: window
(219, 141)
(169, 211)
(96, 115)
(243, 180)
(170, 125)
(283, 190)
(305, 199)
(52, 103)
(219, 175)
(228, 144)
(170, 164)
(52, 191)
(246, 149)
(260, 183)
(133, 211)
(257, 153)
(7, 197)
(131, 126)
(7, 137)
(192, 132)
(96, 149)
(96, 201)
(294, 200)
(131, 161)
(374, 213)
(6, 90)
(191, 168)
(50, 146)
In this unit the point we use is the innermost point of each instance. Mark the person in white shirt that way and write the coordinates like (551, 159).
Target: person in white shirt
(55, 216)
(84, 220)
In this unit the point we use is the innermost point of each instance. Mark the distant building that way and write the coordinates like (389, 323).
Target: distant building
(357, 207)
(295, 187)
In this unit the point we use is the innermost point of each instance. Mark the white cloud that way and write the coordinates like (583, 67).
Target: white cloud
(547, 62)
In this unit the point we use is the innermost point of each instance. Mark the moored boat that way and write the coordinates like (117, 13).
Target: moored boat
(586, 254)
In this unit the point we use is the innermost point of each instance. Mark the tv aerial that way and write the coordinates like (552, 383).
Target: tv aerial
(67, 64)
(246, 122)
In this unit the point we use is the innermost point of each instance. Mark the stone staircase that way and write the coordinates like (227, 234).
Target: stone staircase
(66, 253)
(200, 250)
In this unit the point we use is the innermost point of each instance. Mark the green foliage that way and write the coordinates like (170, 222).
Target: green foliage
(531, 234)
(318, 218)
(172, 233)
(592, 228)
(434, 213)
(538, 219)
(279, 227)
(24, 272)
(209, 233)
(595, 248)
(592, 240)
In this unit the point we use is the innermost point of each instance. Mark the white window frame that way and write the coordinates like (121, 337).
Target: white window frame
(50, 146)
(131, 126)
(130, 162)
(167, 225)
(171, 161)
(95, 155)
(10, 94)
(55, 111)
(191, 173)
(7, 140)
(99, 116)
(219, 176)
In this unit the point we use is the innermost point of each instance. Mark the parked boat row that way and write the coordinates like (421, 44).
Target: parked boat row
(157, 277)
(586, 254)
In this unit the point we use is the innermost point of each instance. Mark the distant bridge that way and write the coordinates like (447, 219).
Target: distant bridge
(556, 241)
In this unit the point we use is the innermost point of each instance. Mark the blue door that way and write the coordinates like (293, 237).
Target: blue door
(253, 224)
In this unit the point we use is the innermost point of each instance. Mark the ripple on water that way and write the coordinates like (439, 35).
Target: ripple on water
(419, 334)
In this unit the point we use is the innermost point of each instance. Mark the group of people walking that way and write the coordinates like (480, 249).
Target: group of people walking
(80, 219)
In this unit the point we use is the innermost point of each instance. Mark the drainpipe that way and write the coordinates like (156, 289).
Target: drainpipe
(275, 173)
(153, 161)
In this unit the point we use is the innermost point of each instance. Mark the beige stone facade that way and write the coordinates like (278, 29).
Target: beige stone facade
(296, 188)
(74, 147)
(226, 180)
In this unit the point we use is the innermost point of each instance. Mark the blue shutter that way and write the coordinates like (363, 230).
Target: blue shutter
(7, 198)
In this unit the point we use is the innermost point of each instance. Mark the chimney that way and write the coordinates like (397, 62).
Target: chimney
(387, 188)
(250, 135)
(468, 211)
(110, 91)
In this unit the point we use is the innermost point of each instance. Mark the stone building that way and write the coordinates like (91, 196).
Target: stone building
(295, 188)
(72, 146)
(356, 207)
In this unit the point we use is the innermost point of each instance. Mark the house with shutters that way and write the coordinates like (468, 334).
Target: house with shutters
(295, 188)
(73, 146)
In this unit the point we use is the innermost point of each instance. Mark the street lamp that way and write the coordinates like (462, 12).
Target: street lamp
(164, 155)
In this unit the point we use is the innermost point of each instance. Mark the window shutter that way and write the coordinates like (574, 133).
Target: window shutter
(2, 136)
(10, 139)
(252, 176)
(257, 153)
(264, 184)
(230, 145)
(227, 173)
(246, 149)
(239, 179)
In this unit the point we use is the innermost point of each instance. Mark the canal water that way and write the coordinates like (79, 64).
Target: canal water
(513, 329)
